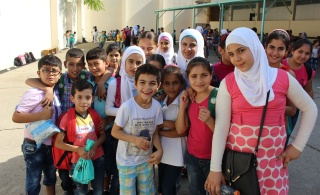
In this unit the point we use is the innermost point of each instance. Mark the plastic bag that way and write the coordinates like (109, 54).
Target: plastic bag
(41, 130)
(83, 171)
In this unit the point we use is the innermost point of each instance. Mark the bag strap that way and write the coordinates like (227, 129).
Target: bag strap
(262, 122)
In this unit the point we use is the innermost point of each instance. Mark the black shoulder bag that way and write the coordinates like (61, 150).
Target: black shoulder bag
(239, 168)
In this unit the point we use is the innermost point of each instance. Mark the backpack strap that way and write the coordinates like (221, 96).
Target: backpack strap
(117, 97)
(215, 80)
(71, 124)
(212, 102)
(309, 70)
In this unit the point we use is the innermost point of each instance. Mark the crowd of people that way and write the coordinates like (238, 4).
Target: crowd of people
(151, 106)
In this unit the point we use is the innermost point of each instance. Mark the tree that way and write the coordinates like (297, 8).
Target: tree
(96, 5)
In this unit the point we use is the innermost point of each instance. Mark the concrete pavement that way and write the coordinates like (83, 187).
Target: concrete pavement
(304, 172)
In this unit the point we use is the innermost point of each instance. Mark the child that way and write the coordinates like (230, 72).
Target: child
(114, 58)
(240, 102)
(301, 51)
(157, 60)
(277, 44)
(79, 124)
(72, 39)
(102, 39)
(118, 37)
(165, 47)
(201, 123)
(39, 160)
(315, 54)
(136, 126)
(173, 144)
(224, 67)
(191, 44)
(148, 41)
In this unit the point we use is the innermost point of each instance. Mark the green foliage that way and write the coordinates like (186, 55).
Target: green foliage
(96, 5)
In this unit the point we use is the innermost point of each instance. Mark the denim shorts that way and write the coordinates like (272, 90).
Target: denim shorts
(38, 160)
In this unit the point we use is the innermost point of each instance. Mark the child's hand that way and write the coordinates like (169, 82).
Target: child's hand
(92, 151)
(204, 114)
(142, 143)
(82, 153)
(155, 157)
(46, 112)
(184, 99)
(48, 97)
(290, 153)
(192, 93)
(101, 92)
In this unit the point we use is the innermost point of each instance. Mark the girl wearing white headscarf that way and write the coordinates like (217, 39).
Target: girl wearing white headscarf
(168, 55)
(182, 59)
(240, 101)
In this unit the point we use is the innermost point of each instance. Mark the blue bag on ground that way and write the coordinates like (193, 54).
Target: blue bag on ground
(83, 171)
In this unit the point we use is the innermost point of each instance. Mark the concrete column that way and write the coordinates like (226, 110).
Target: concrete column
(231, 13)
(54, 23)
(79, 21)
(293, 9)
(257, 10)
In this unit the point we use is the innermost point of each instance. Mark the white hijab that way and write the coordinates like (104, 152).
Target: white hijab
(182, 61)
(200, 29)
(169, 54)
(255, 83)
(127, 82)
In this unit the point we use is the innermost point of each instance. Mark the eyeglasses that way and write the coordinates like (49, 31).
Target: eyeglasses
(53, 71)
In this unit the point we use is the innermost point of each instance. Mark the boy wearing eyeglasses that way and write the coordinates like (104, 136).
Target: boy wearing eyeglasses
(29, 110)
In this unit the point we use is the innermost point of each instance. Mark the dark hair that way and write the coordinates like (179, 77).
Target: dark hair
(254, 29)
(134, 40)
(75, 53)
(80, 86)
(315, 41)
(112, 47)
(300, 42)
(279, 35)
(149, 35)
(172, 69)
(157, 57)
(222, 40)
(96, 53)
(198, 61)
(147, 69)
(50, 60)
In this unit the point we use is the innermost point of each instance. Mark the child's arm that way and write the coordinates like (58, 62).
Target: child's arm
(110, 109)
(170, 131)
(97, 143)
(25, 117)
(204, 116)
(118, 133)
(101, 90)
(68, 147)
(36, 82)
(155, 157)
(181, 124)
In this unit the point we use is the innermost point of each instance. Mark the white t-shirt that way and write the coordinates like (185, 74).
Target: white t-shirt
(110, 109)
(174, 149)
(315, 52)
(138, 121)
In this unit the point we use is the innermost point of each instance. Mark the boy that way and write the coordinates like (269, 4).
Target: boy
(79, 124)
(136, 126)
(102, 39)
(39, 160)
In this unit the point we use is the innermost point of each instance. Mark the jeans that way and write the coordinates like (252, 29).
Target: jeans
(101, 44)
(110, 149)
(38, 160)
(168, 176)
(67, 42)
(314, 63)
(207, 51)
(97, 183)
(198, 170)
(71, 44)
(66, 181)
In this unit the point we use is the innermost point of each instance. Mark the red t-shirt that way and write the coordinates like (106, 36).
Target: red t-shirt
(301, 73)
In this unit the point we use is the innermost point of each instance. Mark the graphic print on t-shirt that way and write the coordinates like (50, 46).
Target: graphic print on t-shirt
(142, 127)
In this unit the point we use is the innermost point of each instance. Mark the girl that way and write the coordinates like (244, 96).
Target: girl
(201, 123)
(240, 102)
(165, 47)
(277, 44)
(301, 51)
(114, 57)
(157, 60)
(95, 34)
(224, 67)
(118, 38)
(191, 44)
(148, 42)
(173, 144)
(133, 57)
(315, 54)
